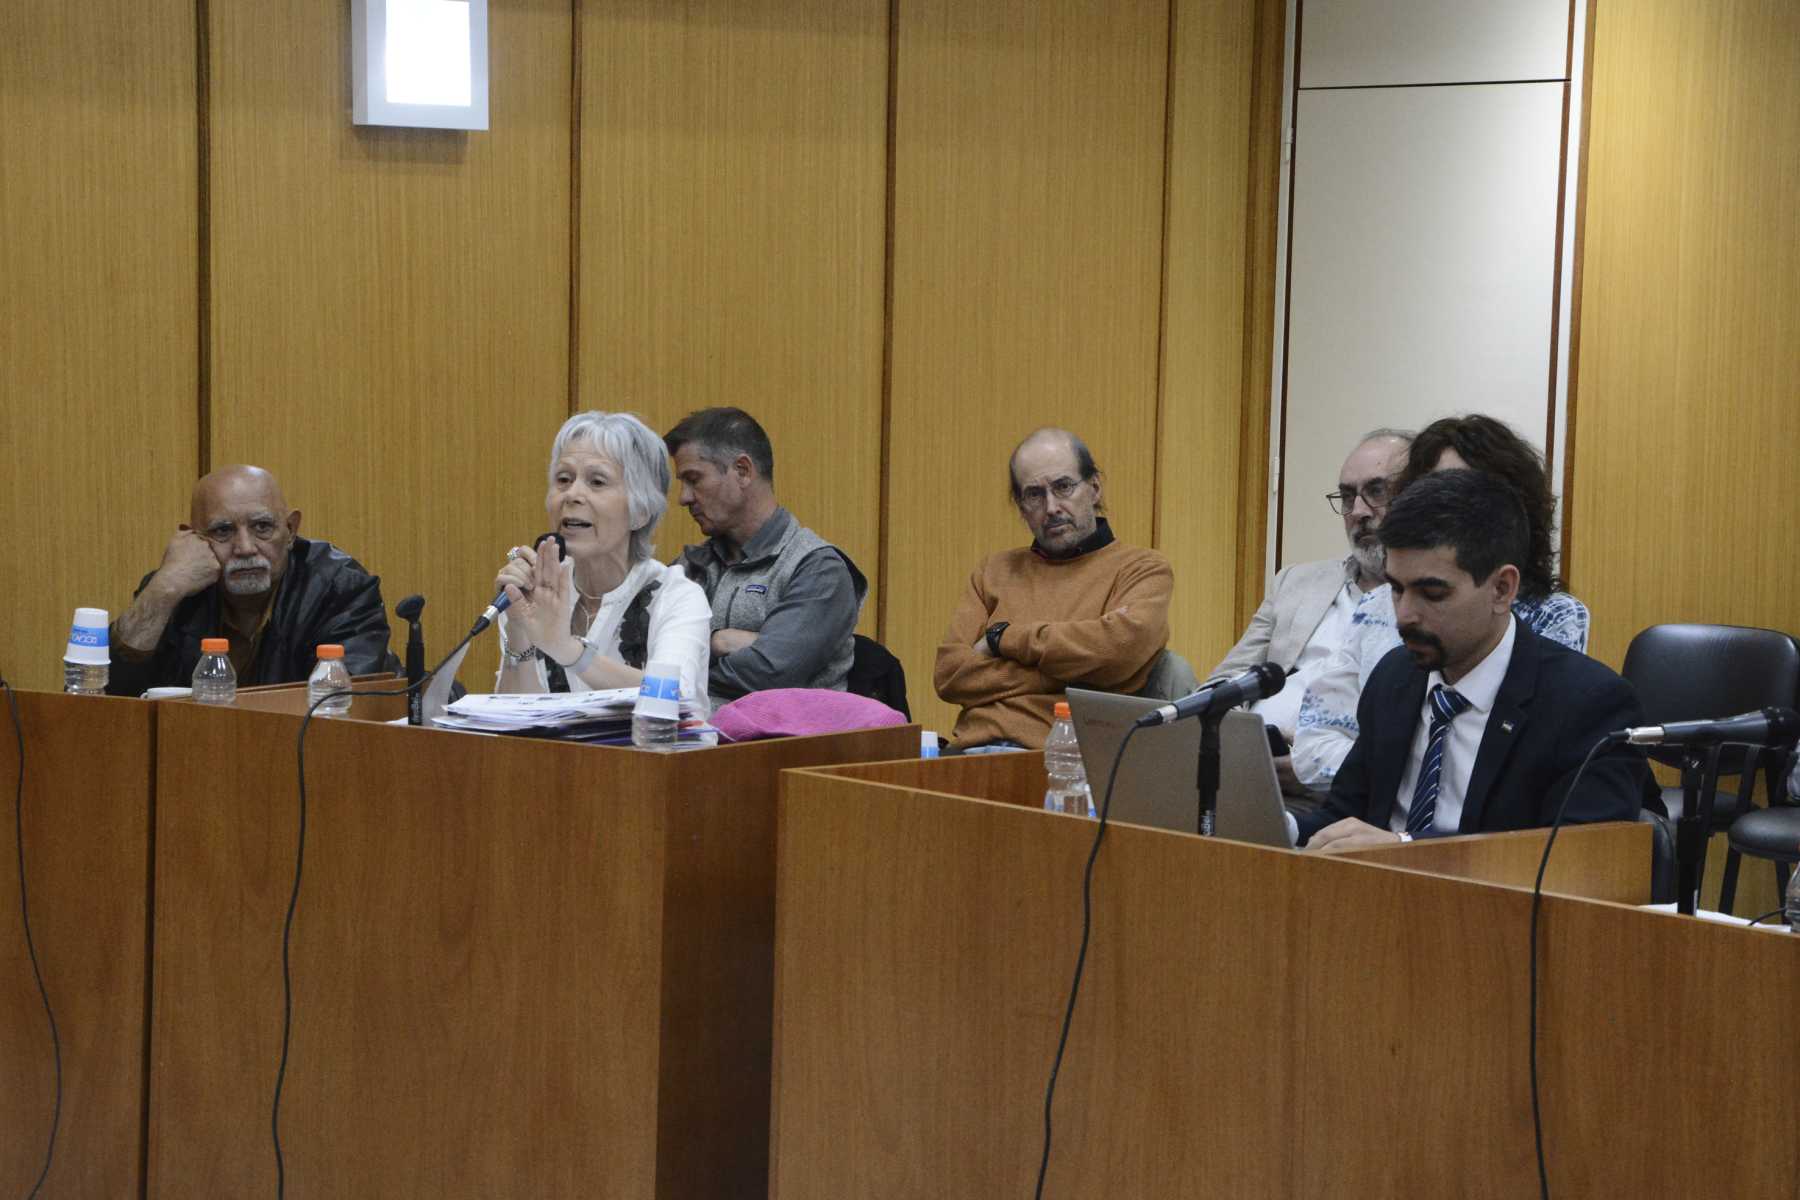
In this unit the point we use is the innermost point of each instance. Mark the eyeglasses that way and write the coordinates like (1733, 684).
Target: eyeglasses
(1036, 495)
(1376, 493)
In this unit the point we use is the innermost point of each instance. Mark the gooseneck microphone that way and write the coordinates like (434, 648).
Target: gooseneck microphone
(1764, 727)
(501, 600)
(409, 610)
(1260, 681)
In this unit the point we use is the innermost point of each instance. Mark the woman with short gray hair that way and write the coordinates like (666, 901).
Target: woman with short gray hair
(593, 617)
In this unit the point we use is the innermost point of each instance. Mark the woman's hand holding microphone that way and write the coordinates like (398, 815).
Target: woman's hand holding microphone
(540, 585)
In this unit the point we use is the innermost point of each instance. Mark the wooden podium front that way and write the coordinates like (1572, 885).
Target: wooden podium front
(1252, 1022)
(519, 968)
(86, 818)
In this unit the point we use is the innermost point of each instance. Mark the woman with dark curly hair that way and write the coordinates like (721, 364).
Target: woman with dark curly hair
(1327, 727)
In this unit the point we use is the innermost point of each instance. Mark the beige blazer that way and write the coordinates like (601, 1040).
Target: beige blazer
(1284, 623)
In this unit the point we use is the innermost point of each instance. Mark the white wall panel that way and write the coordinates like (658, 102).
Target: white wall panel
(1423, 257)
(1358, 43)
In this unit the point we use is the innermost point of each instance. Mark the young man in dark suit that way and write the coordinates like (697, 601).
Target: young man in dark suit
(1475, 724)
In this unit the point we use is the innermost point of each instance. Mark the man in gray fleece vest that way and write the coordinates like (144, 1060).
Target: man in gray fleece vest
(784, 600)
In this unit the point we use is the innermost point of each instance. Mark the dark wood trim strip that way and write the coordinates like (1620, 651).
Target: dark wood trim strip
(1162, 284)
(574, 207)
(882, 521)
(203, 231)
(1287, 294)
(1581, 194)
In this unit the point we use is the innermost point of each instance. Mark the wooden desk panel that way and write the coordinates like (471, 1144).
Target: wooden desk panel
(520, 968)
(1611, 861)
(1008, 778)
(924, 950)
(292, 698)
(1252, 1022)
(87, 817)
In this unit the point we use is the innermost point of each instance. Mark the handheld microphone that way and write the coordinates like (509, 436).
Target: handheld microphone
(502, 601)
(1262, 680)
(408, 610)
(1764, 727)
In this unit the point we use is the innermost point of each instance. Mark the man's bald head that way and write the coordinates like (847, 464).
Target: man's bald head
(235, 485)
(241, 512)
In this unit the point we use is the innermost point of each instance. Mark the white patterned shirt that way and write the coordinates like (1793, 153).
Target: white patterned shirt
(1327, 727)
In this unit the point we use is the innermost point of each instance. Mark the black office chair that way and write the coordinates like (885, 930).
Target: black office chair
(1701, 672)
(877, 674)
(1771, 834)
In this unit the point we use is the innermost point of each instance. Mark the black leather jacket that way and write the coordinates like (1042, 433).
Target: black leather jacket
(325, 596)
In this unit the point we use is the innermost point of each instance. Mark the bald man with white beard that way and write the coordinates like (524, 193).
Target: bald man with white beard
(1309, 608)
(239, 569)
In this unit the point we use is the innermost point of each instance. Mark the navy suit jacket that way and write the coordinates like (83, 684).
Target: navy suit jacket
(1553, 705)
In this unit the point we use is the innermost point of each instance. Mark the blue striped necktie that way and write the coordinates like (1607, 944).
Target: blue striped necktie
(1446, 705)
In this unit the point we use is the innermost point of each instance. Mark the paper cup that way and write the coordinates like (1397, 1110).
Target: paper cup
(87, 639)
(660, 694)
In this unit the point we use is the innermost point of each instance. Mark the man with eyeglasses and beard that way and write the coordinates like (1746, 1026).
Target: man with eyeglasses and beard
(240, 570)
(1075, 607)
(1475, 723)
(1310, 606)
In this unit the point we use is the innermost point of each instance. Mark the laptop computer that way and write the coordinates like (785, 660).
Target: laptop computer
(1156, 783)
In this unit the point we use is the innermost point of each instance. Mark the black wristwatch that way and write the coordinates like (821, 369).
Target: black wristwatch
(993, 637)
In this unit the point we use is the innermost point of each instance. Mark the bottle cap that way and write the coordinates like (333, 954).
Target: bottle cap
(1062, 710)
(331, 650)
(215, 645)
(660, 694)
(87, 639)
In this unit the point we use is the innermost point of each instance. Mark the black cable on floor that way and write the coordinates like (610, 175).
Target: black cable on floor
(12, 704)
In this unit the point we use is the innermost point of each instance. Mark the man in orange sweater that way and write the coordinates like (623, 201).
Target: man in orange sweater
(1074, 607)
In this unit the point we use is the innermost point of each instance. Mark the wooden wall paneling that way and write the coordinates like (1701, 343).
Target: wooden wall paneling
(1205, 388)
(732, 196)
(1687, 416)
(1028, 185)
(86, 819)
(390, 307)
(98, 372)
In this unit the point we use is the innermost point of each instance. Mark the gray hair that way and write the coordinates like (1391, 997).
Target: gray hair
(626, 440)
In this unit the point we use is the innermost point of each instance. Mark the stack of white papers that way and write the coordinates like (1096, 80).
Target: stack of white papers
(602, 716)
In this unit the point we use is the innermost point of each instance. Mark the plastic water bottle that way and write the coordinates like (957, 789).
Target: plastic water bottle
(1793, 899)
(87, 662)
(656, 717)
(329, 676)
(215, 679)
(1068, 791)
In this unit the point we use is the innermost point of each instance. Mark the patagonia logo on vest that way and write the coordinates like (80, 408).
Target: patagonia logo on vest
(757, 589)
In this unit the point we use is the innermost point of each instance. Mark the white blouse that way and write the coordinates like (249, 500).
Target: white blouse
(680, 627)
